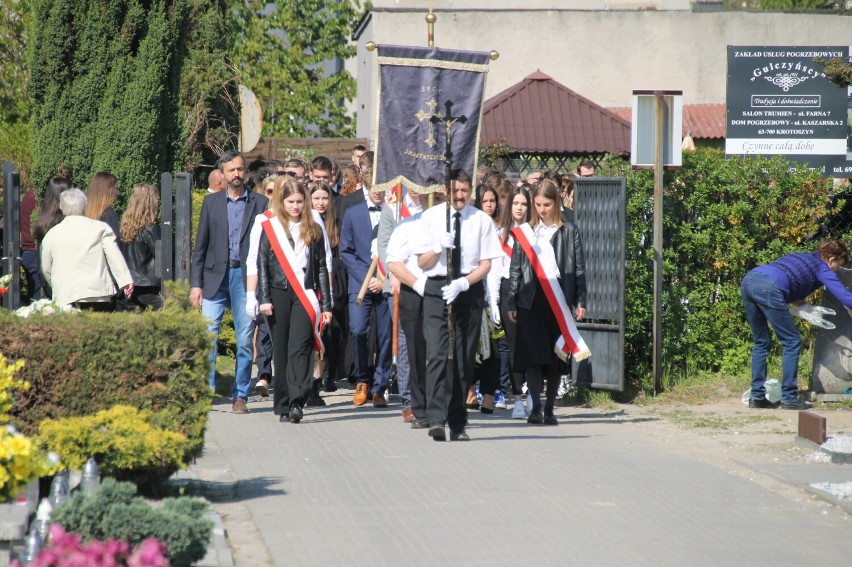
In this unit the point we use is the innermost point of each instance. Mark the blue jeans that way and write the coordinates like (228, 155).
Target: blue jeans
(232, 292)
(764, 306)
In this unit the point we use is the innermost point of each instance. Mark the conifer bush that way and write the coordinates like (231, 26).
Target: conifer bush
(121, 439)
(81, 363)
(114, 511)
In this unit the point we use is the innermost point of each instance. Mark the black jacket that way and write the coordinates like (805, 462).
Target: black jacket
(141, 259)
(270, 274)
(568, 250)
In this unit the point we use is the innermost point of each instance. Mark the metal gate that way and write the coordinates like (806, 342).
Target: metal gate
(600, 208)
(176, 229)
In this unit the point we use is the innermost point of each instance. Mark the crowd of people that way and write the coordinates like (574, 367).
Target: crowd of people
(333, 282)
(80, 252)
(461, 300)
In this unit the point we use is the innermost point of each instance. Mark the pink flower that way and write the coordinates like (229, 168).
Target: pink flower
(149, 553)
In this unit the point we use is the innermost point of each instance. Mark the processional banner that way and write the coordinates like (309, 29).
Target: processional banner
(423, 91)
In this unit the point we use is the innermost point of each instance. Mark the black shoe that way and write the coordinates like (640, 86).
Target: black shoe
(797, 405)
(550, 419)
(284, 418)
(761, 404)
(315, 401)
(295, 413)
(535, 417)
(460, 435)
(437, 433)
(419, 424)
(328, 385)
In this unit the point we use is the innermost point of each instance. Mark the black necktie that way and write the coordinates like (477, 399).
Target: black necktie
(457, 247)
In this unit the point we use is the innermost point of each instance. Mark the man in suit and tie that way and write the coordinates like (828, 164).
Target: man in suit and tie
(217, 276)
(357, 249)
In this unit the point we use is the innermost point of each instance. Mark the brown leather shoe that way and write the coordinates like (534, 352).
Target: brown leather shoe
(361, 393)
(472, 402)
(379, 400)
(487, 404)
(407, 415)
(240, 406)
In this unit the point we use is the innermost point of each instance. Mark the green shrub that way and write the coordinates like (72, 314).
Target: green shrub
(121, 439)
(82, 363)
(115, 512)
(722, 217)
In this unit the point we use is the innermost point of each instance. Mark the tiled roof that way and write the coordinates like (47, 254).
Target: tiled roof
(703, 120)
(540, 115)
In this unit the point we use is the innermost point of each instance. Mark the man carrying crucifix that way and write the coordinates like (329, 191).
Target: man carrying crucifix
(473, 242)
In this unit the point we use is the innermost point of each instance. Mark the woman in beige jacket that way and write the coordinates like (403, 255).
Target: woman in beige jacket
(78, 255)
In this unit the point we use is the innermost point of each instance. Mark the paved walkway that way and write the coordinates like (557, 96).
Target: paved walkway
(357, 486)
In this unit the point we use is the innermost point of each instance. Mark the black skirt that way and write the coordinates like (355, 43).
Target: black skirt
(537, 333)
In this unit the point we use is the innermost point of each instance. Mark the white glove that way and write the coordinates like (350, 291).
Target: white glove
(420, 286)
(454, 288)
(813, 314)
(251, 304)
(374, 248)
(494, 311)
(444, 241)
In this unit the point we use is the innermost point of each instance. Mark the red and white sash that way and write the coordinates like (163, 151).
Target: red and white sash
(543, 261)
(295, 274)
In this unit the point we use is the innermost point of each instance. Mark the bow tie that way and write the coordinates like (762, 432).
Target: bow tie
(375, 208)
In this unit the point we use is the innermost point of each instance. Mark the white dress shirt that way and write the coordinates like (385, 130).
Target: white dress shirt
(478, 238)
(402, 242)
(254, 243)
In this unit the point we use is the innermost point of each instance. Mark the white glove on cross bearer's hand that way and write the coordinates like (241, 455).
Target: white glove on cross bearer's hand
(454, 288)
(251, 304)
(494, 311)
(420, 286)
(814, 314)
(444, 241)
(374, 248)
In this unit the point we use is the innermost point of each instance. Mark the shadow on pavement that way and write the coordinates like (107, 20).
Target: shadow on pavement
(241, 490)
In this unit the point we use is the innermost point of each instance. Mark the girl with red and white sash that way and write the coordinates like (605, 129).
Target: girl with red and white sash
(547, 279)
(293, 292)
(515, 213)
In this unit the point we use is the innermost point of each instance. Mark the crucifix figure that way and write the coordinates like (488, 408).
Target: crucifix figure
(448, 119)
(431, 115)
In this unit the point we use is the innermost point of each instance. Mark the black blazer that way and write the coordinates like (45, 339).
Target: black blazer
(270, 273)
(209, 263)
(568, 250)
(347, 201)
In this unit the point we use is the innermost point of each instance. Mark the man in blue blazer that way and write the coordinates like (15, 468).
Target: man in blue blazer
(216, 274)
(357, 237)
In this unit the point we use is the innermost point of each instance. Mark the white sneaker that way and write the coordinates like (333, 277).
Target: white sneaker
(518, 411)
(564, 386)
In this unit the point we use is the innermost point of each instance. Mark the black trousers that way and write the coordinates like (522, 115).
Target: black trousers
(292, 350)
(263, 346)
(447, 381)
(411, 321)
(511, 336)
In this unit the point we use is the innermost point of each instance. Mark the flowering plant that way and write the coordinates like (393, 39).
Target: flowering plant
(20, 462)
(4, 283)
(66, 550)
(43, 307)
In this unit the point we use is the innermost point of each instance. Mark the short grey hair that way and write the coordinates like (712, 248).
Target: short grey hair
(72, 202)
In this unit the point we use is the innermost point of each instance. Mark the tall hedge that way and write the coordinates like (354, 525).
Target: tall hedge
(722, 217)
(81, 363)
(134, 87)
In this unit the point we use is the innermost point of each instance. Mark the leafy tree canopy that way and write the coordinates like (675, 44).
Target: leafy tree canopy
(290, 55)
